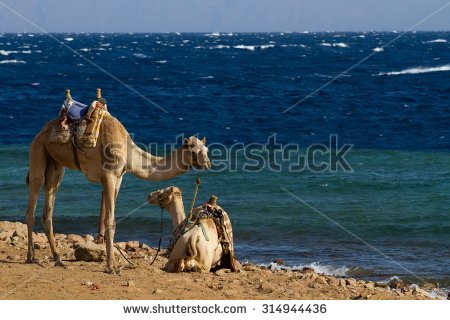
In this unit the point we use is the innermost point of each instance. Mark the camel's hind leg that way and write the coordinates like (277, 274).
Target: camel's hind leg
(53, 176)
(35, 180)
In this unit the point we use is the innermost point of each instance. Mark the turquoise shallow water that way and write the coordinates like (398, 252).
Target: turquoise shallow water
(396, 201)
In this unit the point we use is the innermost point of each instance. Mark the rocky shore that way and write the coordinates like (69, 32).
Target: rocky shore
(84, 277)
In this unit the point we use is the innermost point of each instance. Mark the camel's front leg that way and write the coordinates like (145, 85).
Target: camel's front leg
(111, 186)
(53, 177)
(101, 225)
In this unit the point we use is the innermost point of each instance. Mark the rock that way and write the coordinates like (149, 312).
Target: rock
(396, 284)
(39, 245)
(87, 283)
(157, 291)
(342, 283)
(130, 283)
(307, 269)
(333, 281)
(250, 267)
(92, 252)
(39, 238)
(312, 276)
(381, 285)
(88, 237)
(12, 258)
(222, 272)
(60, 236)
(132, 245)
(145, 246)
(369, 285)
(8, 226)
(121, 245)
(321, 280)
(279, 261)
(74, 238)
(5, 235)
(350, 282)
(95, 286)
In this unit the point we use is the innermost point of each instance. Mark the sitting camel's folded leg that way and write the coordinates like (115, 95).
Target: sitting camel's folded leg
(111, 186)
(35, 180)
(53, 177)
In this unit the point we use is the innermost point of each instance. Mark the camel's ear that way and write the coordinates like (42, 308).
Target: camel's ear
(204, 140)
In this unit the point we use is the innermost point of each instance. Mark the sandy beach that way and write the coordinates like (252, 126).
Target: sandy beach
(87, 280)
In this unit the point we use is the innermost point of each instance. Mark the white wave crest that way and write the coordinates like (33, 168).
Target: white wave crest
(338, 44)
(378, 49)
(243, 47)
(140, 55)
(327, 269)
(12, 61)
(417, 70)
(316, 266)
(266, 46)
(161, 61)
(437, 41)
(6, 52)
(68, 39)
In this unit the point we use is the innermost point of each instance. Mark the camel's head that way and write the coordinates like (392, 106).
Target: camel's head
(197, 153)
(163, 197)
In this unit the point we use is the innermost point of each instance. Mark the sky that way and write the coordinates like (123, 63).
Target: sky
(221, 15)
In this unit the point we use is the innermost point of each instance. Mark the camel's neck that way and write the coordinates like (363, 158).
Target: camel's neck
(176, 210)
(152, 168)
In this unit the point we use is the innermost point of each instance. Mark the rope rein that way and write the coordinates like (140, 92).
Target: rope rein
(160, 238)
(197, 185)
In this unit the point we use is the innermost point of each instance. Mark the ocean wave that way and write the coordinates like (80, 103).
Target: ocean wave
(316, 266)
(12, 61)
(254, 47)
(68, 39)
(214, 34)
(416, 70)
(244, 47)
(378, 49)
(436, 41)
(161, 61)
(338, 44)
(26, 51)
(140, 55)
(6, 52)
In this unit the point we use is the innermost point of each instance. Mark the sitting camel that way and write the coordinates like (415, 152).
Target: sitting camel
(114, 154)
(199, 248)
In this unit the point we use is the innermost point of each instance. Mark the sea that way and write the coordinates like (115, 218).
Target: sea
(384, 94)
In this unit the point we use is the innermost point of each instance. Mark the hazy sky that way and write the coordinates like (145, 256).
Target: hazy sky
(222, 15)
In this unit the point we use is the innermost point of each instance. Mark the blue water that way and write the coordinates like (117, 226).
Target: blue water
(233, 88)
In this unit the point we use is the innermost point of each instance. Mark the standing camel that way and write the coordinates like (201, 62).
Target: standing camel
(106, 163)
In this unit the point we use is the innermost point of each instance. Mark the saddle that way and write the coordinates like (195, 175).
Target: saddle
(210, 210)
(79, 123)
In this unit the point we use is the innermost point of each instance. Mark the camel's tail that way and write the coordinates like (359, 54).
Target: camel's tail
(28, 178)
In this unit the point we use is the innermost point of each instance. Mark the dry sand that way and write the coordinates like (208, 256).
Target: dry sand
(86, 280)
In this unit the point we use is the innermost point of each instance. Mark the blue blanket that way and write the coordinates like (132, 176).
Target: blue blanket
(77, 111)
